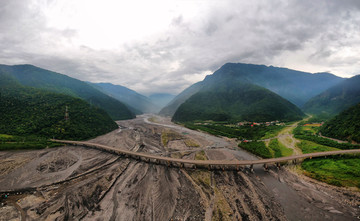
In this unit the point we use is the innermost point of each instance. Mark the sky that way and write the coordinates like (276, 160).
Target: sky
(164, 46)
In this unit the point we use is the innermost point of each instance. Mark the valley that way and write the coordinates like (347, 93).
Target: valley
(74, 182)
(179, 110)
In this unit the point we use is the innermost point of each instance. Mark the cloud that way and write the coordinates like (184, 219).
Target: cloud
(172, 44)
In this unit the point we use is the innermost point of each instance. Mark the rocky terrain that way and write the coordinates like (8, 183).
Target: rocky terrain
(78, 183)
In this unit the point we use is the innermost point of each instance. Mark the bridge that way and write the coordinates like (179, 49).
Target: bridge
(210, 164)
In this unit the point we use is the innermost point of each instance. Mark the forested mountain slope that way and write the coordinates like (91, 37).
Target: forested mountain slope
(29, 111)
(32, 76)
(345, 126)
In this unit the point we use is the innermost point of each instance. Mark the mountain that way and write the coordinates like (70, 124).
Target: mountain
(161, 99)
(29, 111)
(32, 76)
(233, 99)
(337, 98)
(345, 126)
(139, 103)
(175, 103)
(295, 86)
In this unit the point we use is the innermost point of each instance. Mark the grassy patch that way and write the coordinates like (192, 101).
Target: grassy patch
(153, 119)
(257, 148)
(279, 149)
(311, 147)
(202, 178)
(222, 209)
(336, 170)
(272, 131)
(10, 142)
(168, 135)
(191, 143)
(6, 137)
(200, 155)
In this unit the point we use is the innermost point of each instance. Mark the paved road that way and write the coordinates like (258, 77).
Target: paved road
(147, 157)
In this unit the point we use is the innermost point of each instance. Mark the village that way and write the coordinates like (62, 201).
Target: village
(245, 123)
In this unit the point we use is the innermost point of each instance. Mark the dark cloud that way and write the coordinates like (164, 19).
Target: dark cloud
(301, 34)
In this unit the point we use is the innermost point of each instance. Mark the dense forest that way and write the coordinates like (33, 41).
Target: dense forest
(28, 111)
(345, 126)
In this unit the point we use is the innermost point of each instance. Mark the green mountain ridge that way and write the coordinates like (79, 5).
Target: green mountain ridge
(344, 126)
(295, 86)
(232, 99)
(32, 76)
(29, 111)
(335, 99)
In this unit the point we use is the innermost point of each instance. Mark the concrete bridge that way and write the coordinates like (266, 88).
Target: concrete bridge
(209, 164)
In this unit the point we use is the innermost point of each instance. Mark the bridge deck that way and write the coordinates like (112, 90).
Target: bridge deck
(146, 156)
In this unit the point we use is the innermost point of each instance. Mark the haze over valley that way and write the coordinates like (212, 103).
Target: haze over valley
(179, 110)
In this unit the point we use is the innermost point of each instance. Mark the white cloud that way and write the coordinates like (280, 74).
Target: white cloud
(165, 46)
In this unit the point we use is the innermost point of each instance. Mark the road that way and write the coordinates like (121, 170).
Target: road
(147, 157)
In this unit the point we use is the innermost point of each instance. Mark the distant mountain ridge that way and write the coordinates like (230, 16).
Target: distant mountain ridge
(336, 99)
(129, 97)
(295, 86)
(161, 99)
(234, 99)
(29, 75)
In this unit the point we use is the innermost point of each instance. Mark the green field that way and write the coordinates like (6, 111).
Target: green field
(257, 148)
(336, 170)
(279, 150)
(9, 142)
(311, 147)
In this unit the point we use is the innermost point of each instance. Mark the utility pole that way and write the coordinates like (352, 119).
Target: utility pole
(66, 113)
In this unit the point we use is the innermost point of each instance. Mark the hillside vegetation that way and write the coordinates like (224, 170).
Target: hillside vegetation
(28, 75)
(28, 111)
(345, 126)
(236, 100)
(335, 99)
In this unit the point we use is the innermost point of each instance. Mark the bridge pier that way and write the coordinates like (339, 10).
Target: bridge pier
(252, 168)
(278, 166)
(266, 168)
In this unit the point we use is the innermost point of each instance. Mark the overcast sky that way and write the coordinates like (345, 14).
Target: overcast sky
(164, 46)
